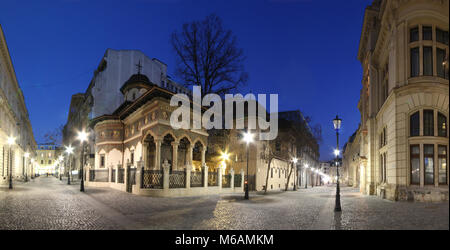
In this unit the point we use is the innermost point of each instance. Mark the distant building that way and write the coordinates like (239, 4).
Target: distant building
(46, 157)
(14, 122)
(404, 102)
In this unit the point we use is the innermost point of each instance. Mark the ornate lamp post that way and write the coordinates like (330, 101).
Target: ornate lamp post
(337, 125)
(248, 138)
(294, 161)
(82, 137)
(11, 141)
(26, 155)
(69, 151)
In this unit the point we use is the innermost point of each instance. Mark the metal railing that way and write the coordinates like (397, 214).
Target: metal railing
(121, 175)
(212, 179)
(237, 180)
(98, 175)
(152, 179)
(177, 179)
(226, 180)
(197, 179)
(113, 175)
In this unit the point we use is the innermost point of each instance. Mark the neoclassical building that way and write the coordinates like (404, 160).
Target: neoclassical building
(14, 122)
(404, 102)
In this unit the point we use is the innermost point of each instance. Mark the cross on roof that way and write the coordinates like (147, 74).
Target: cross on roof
(139, 67)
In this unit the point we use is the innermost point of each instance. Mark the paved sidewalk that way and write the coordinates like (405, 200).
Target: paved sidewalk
(47, 203)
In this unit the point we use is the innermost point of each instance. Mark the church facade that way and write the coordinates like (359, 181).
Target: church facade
(404, 102)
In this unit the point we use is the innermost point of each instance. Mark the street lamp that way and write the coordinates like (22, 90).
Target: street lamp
(69, 151)
(11, 140)
(337, 125)
(306, 177)
(294, 161)
(248, 138)
(82, 137)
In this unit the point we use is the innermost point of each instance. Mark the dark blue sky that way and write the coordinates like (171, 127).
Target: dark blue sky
(303, 50)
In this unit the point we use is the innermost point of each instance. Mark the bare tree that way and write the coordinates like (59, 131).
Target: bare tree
(54, 136)
(208, 56)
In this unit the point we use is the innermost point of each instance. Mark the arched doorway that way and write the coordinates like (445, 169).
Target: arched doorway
(150, 149)
(167, 150)
(184, 154)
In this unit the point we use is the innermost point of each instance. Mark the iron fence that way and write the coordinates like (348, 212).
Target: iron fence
(177, 179)
(120, 175)
(226, 180)
(98, 175)
(113, 175)
(197, 179)
(237, 180)
(152, 179)
(212, 179)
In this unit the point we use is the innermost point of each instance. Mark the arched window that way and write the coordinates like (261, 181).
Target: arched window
(428, 123)
(414, 124)
(442, 125)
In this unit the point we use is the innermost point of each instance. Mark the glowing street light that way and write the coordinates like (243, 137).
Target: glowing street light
(248, 138)
(82, 137)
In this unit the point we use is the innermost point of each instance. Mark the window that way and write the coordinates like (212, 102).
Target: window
(428, 123)
(415, 164)
(414, 122)
(49, 162)
(442, 164)
(414, 34)
(271, 173)
(42, 162)
(440, 59)
(132, 157)
(427, 33)
(102, 161)
(442, 125)
(442, 36)
(428, 158)
(427, 61)
(414, 62)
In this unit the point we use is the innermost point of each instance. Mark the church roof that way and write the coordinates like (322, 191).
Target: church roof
(136, 80)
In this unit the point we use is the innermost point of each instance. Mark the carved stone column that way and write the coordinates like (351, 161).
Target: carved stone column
(203, 156)
(205, 176)
(188, 177)
(166, 169)
(232, 178)
(175, 155)
(157, 157)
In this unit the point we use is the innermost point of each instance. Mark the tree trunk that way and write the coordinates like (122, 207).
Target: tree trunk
(289, 176)
(267, 176)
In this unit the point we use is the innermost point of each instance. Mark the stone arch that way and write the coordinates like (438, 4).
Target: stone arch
(169, 132)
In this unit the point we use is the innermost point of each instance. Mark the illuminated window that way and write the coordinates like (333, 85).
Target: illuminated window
(428, 158)
(442, 125)
(415, 164)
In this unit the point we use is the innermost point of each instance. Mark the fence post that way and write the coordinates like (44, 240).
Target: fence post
(242, 179)
(109, 173)
(219, 177)
(232, 178)
(139, 167)
(166, 177)
(188, 176)
(117, 173)
(205, 176)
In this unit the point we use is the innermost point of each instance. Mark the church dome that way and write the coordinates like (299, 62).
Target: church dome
(136, 80)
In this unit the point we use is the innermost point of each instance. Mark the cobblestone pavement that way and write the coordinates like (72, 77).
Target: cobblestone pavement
(47, 203)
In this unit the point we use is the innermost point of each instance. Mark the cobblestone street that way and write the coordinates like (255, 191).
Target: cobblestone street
(47, 203)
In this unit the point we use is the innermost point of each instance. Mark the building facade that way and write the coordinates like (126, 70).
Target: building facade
(14, 122)
(46, 159)
(404, 102)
